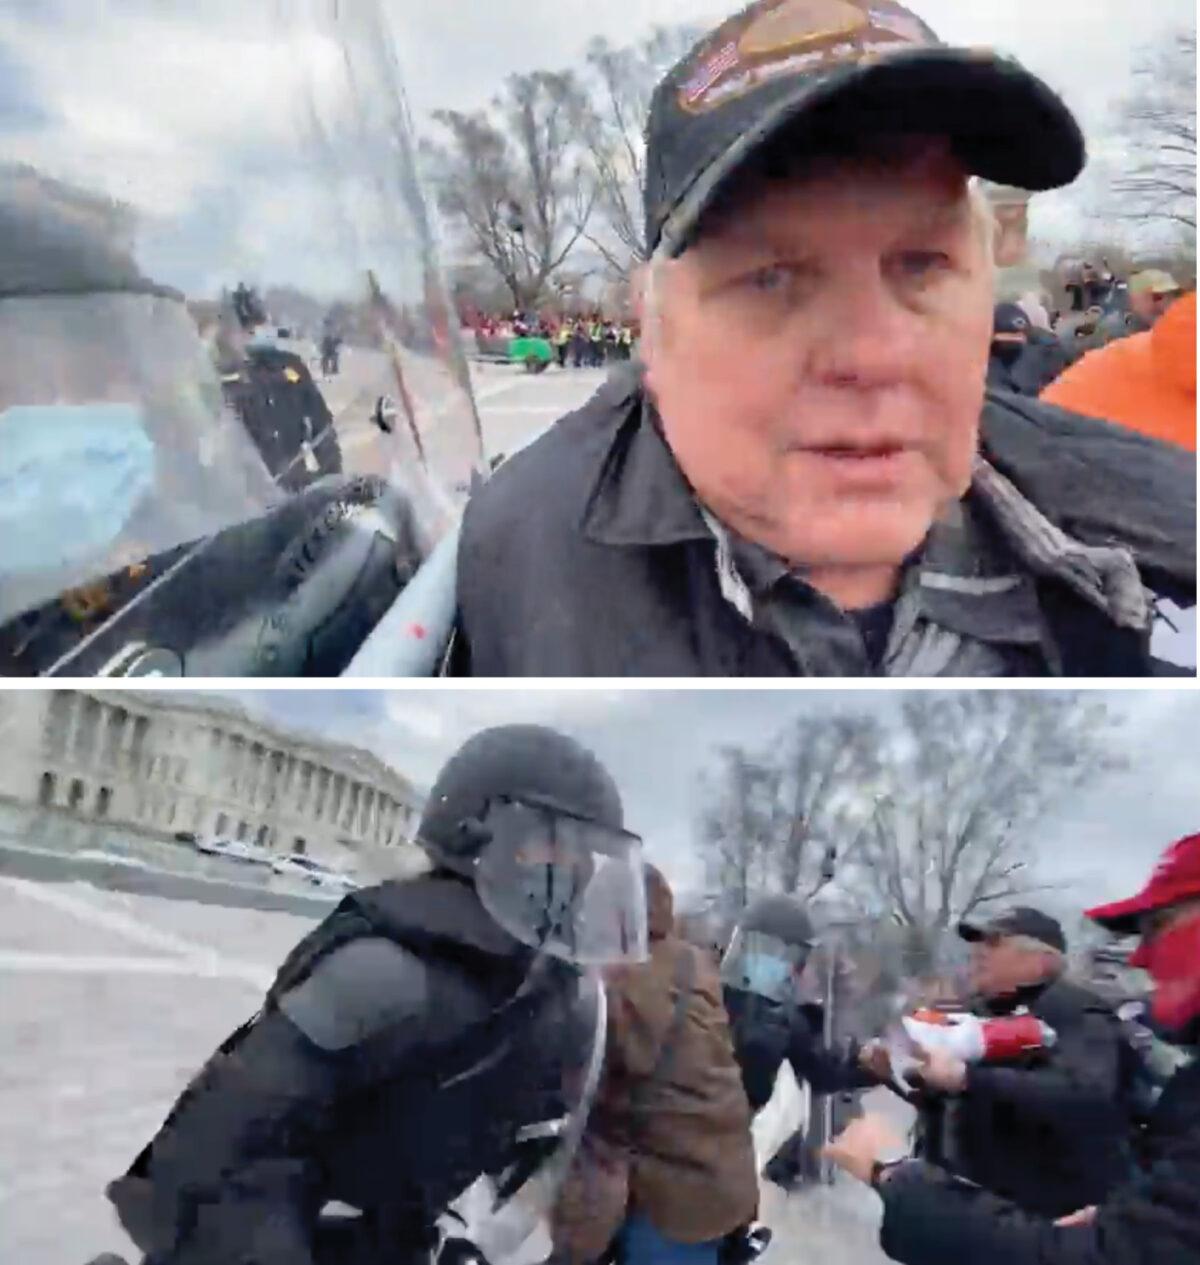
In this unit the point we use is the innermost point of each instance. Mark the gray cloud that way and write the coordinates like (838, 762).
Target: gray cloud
(1085, 49)
(197, 115)
(1102, 843)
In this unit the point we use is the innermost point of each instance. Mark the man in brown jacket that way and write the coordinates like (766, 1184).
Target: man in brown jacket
(667, 1169)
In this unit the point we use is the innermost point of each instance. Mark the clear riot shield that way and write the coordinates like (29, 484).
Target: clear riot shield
(235, 416)
(507, 1216)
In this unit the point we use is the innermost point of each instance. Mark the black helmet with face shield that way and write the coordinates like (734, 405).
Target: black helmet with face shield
(535, 821)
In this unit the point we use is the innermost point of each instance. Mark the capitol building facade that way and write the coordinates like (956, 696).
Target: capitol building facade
(169, 764)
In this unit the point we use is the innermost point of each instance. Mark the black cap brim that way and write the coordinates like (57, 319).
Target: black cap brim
(1003, 123)
(971, 933)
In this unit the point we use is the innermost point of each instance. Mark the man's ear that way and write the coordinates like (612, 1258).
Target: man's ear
(647, 307)
(639, 281)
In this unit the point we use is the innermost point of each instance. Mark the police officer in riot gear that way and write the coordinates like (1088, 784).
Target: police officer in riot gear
(274, 394)
(416, 1036)
(759, 973)
(172, 508)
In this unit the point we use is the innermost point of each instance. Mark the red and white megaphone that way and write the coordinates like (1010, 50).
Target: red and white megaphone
(967, 1037)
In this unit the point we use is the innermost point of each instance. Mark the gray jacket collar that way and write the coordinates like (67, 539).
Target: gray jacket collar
(640, 496)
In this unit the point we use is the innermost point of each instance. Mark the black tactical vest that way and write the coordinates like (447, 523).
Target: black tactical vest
(427, 1125)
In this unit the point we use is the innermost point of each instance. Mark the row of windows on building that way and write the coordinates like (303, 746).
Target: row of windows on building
(76, 797)
(106, 738)
(163, 810)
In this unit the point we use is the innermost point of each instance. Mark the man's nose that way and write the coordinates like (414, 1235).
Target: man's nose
(867, 335)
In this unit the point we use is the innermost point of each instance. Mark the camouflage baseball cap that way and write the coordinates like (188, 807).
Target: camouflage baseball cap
(819, 68)
(1153, 281)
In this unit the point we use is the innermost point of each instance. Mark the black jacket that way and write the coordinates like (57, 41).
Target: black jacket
(1051, 1132)
(1151, 1219)
(586, 554)
(280, 405)
(1042, 359)
(398, 1053)
(765, 1033)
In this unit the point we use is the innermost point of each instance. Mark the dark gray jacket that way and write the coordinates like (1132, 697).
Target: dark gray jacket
(1151, 1219)
(1050, 1132)
(587, 554)
(765, 1033)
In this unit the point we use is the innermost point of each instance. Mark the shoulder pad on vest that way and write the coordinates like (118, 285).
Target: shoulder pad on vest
(357, 991)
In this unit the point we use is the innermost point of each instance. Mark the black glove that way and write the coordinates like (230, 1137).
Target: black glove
(745, 1244)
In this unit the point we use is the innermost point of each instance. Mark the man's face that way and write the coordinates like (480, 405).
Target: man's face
(1160, 922)
(820, 358)
(1000, 965)
(1151, 304)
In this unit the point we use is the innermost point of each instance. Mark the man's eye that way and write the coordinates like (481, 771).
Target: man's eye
(770, 280)
(920, 263)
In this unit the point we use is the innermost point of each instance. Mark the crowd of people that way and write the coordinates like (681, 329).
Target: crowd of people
(1124, 351)
(579, 342)
(447, 1027)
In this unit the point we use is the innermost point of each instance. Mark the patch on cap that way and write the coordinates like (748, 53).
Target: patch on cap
(783, 37)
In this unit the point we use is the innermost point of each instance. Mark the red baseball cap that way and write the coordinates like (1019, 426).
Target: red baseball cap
(1175, 878)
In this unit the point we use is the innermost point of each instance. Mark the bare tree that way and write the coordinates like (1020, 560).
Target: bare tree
(971, 774)
(514, 181)
(823, 771)
(920, 818)
(1157, 123)
(733, 829)
(620, 83)
(783, 819)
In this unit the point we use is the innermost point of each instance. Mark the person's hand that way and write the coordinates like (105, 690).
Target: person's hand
(1085, 1216)
(875, 1058)
(942, 1070)
(861, 1143)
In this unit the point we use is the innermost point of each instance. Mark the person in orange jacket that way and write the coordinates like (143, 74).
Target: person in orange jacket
(1146, 381)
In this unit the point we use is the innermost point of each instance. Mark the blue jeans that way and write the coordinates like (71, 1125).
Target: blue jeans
(641, 1244)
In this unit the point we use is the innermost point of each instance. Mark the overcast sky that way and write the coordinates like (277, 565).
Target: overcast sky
(1085, 49)
(201, 116)
(657, 745)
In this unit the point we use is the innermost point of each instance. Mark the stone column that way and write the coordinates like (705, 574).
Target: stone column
(321, 802)
(74, 716)
(352, 794)
(258, 756)
(304, 793)
(368, 810)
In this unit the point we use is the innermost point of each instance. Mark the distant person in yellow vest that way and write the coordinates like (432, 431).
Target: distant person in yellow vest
(562, 341)
(579, 345)
(596, 342)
